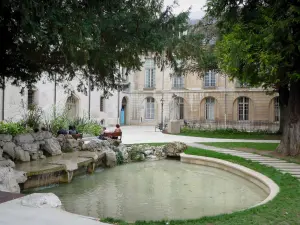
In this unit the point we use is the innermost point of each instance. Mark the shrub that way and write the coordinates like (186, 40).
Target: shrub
(33, 117)
(120, 158)
(86, 126)
(13, 128)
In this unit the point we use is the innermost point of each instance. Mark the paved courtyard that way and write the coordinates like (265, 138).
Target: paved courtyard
(147, 134)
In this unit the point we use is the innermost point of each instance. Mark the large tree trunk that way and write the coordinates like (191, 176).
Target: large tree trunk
(283, 102)
(290, 141)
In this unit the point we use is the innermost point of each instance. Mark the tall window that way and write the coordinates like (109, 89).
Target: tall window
(243, 108)
(149, 108)
(178, 82)
(210, 79)
(181, 108)
(101, 104)
(149, 73)
(30, 98)
(210, 109)
(276, 109)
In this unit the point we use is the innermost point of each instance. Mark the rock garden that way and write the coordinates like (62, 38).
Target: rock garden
(43, 149)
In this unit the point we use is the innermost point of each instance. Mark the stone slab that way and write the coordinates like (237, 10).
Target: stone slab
(13, 213)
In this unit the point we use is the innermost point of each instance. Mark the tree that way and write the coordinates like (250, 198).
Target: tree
(261, 44)
(195, 52)
(82, 38)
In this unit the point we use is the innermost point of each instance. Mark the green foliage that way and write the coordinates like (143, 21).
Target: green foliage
(85, 39)
(228, 133)
(13, 128)
(120, 158)
(33, 117)
(83, 124)
(195, 52)
(284, 209)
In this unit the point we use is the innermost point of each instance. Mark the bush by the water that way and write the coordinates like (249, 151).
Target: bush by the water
(82, 124)
(13, 128)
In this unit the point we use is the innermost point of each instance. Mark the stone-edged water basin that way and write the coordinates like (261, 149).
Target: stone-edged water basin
(158, 190)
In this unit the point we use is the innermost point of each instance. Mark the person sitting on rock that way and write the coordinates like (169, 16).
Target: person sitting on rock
(72, 130)
(102, 136)
(62, 131)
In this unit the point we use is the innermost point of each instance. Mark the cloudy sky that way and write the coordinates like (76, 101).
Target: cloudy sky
(197, 11)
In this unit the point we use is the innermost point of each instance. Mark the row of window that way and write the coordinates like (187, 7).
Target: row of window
(178, 81)
(243, 107)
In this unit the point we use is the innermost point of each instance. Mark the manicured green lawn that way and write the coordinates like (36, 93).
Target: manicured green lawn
(284, 209)
(229, 134)
(234, 145)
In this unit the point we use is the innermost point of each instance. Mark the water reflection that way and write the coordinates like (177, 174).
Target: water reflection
(158, 190)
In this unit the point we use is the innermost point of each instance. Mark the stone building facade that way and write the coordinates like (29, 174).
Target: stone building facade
(208, 99)
(211, 99)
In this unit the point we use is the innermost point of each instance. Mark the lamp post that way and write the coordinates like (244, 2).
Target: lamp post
(3, 97)
(162, 112)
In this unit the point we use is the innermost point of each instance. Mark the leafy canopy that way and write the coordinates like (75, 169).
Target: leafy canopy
(259, 40)
(87, 39)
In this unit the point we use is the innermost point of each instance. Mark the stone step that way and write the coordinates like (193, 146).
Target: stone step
(281, 166)
(291, 170)
(268, 160)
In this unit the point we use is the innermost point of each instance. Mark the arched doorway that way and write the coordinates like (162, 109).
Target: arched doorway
(72, 107)
(123, 115)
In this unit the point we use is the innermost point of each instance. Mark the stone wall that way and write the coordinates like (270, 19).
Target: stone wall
(27, 147)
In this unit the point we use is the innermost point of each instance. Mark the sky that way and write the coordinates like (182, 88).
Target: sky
(197, 11)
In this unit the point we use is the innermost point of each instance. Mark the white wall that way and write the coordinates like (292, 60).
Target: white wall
(16, 104)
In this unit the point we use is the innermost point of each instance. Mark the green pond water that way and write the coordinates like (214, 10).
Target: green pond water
(157, 190)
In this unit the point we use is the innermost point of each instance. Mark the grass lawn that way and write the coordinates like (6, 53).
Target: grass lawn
(229, 134)
(284, 209)
(242, 145)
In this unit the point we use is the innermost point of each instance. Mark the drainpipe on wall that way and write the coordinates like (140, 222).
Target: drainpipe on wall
(118, 105)
(3, 97)
(54, 100)
(89, 98)
(162, 98)
(225, 101)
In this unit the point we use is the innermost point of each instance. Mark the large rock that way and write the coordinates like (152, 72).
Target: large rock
(174, 148)
(9, 149)
(113, 142)
(6, 163)
(96, 145)
(20, 176)
(41, 135)
(41, 200)
(124, 151)
(159, 152)
(136, 153)
(8, 180)
(5, 137)
(52, 146)
(23, 139)
(111, 159)
(33, 147)
(22, 155)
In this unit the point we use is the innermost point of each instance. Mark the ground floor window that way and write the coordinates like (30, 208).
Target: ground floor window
(243, 108)
(210, 109)
(149, 108)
